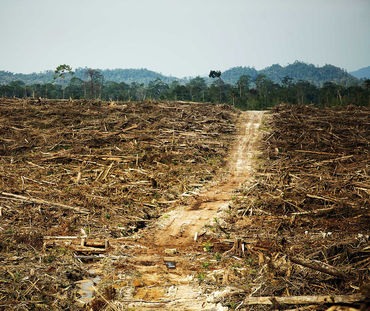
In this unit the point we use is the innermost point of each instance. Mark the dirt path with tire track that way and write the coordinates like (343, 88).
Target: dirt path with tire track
(162, 265)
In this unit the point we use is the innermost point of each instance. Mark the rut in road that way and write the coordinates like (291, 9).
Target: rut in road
(155, 285)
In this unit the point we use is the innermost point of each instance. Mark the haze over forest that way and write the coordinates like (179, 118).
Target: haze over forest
(165, 49)
(297, 71)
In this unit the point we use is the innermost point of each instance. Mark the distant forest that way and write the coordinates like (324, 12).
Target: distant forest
(276, 73)
(242, 87)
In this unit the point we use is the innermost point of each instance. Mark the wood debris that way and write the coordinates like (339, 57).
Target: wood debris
(78, 176)
(308, 209)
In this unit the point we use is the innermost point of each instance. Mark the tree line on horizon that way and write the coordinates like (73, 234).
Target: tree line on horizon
(248, 92)
(297, 71)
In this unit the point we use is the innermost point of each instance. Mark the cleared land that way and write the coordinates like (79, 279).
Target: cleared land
(305, 219)
(182, 206)
(102, 170)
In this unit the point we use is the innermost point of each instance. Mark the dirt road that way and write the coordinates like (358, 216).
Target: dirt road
(162, 269)
(181, 225)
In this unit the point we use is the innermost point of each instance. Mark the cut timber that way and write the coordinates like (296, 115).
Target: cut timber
(300, 300)
(78, 244)
(238, 249)
(317, 212)
(319, 266)
(87, 249)
(316, 152)
(129, 128)
(40, 201)
(64, 237)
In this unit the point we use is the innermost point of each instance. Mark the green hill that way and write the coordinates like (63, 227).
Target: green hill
(32, 78)
(308, 72)
(362, 73)
(129, 75)
(117, 75)
(232, 75)
(297, 71)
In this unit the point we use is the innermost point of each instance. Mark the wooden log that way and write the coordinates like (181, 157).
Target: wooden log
(319, 266)
(88, 249)
(300, 300)
(61, 237)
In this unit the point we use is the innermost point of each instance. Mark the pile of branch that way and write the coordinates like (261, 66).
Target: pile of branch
(308, 209)
(115, 163)
(106, 168)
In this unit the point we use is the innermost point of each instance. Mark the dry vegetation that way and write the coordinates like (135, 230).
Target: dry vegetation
(300, 227)
(305, 221)
(104, 169)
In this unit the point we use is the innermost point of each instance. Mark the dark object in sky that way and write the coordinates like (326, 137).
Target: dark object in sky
(214, 74)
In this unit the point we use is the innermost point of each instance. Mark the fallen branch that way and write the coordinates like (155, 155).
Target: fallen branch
(129, 128)
(319, 266)
(321, 198)
(10, 196)
(317, 212)
(316, 152)
(300, 300)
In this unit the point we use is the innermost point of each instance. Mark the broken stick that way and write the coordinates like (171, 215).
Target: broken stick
(319, 266)
(10, 196)
(300, 300)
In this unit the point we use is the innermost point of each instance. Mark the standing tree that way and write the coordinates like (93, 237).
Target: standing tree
(61, 72)
(197, 88)
(157, 89)
(216, 74)
(287, 83)
(96, 82)
(243, 84)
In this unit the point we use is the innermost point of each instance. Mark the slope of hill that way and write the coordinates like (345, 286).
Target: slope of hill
(362, 73)
(31, 78)
(232, 75)
(308, 72)
(128, 75)
(296, 71)
(117, 75)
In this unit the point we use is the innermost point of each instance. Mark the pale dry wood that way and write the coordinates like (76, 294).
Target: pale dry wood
(336, 159)
(317, 212)
(319, 266)
(129, 128)
(61, 237)
(11, 196)
(316, 152)
(88, 249)
(321, 198)
(297, 300)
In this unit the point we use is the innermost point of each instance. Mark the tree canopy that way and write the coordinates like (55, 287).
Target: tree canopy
(259, 92)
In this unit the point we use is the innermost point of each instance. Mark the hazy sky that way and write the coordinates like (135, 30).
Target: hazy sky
(182, 37)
